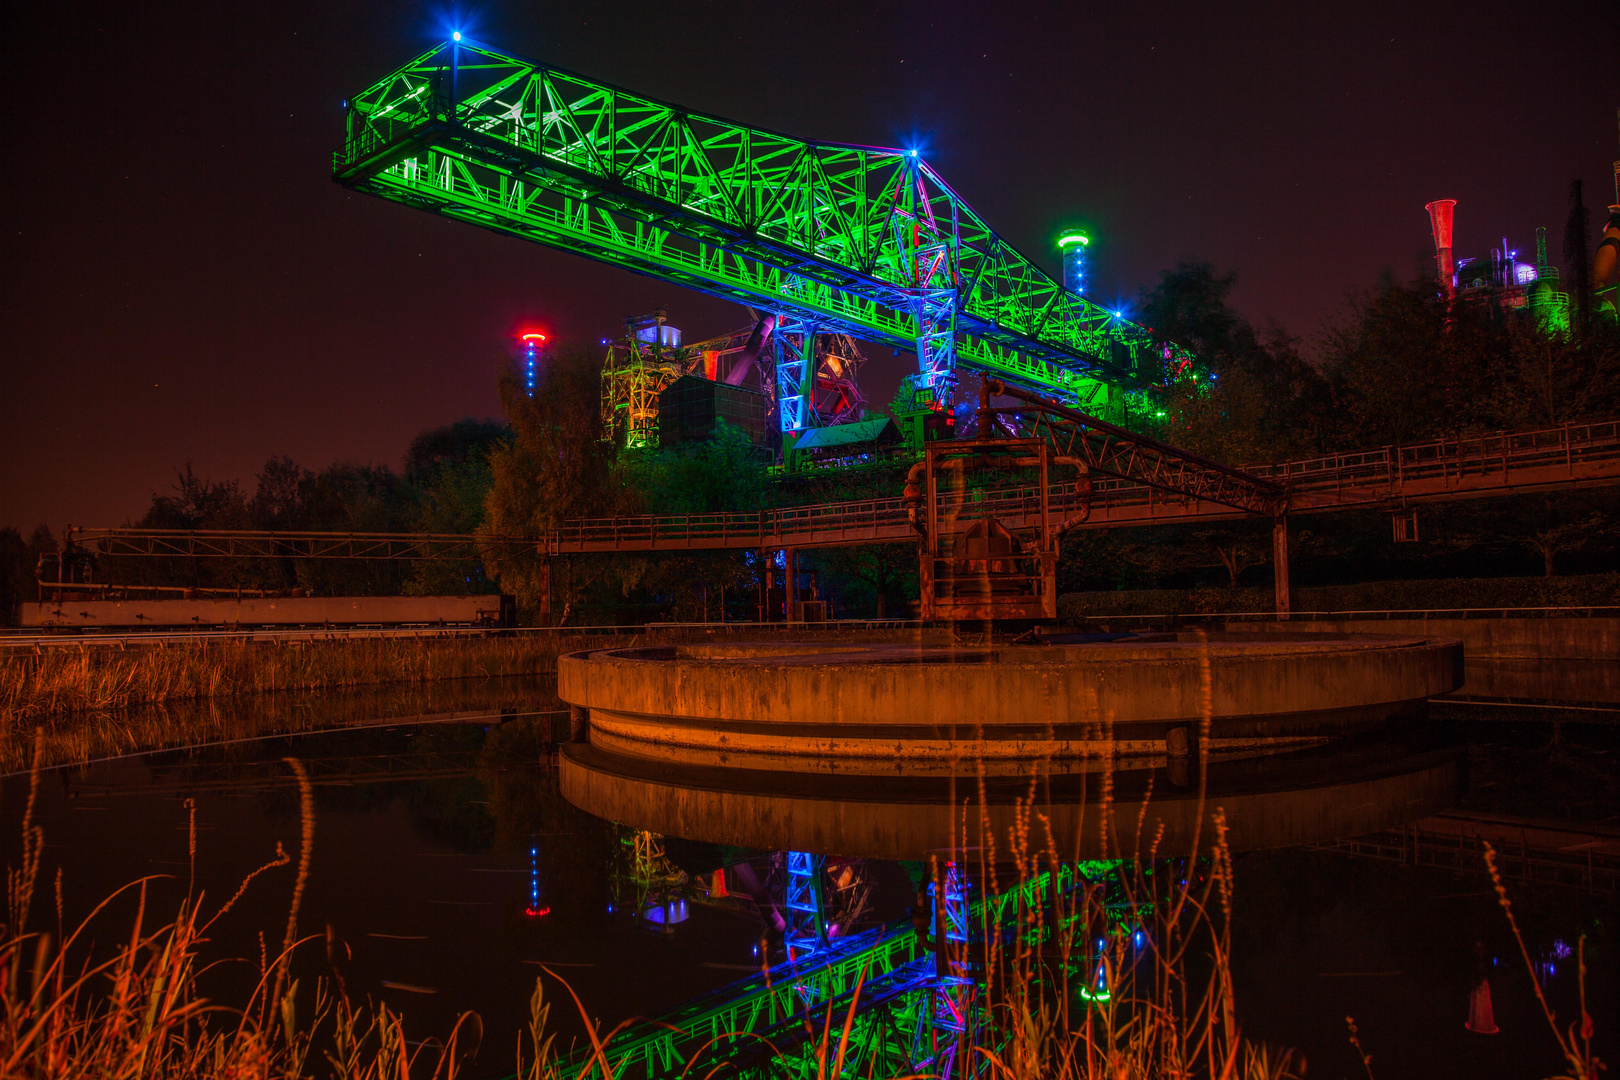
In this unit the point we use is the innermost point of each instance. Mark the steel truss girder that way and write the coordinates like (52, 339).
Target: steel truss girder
(843, 235)
(899, 981)
(755, 1004)
(1115, 451)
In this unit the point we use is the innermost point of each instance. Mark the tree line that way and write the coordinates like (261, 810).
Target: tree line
(1398, 365)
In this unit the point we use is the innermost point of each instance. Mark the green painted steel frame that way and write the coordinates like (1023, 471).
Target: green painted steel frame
(850, 238)
(763, 1003)
(752, 1005)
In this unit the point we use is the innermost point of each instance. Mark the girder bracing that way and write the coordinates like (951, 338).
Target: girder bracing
(859, 240)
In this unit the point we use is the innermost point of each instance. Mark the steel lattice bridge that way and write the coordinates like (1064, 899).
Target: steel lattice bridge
(1127, 480)
(1135, 482)
(829, 238)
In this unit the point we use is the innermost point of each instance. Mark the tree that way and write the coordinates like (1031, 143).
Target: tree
(722, 474)
(278, 499)
(884, 575)
(1236, 550)
(1407, 367)
(1253, 398)
(554, 467)
(198, 503)
(16, 575)
(465, 442)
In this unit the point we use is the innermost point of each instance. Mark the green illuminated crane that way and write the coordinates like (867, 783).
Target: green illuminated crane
(830, 238)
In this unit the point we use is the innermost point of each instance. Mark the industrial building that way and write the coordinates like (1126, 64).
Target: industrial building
(691, 409)
(1498, 278)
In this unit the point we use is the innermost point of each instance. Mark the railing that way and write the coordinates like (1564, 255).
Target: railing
(37, 637)
(1570, 447)
(1576, 611)
(1586, 453)
(1545, 853)
(819, 523)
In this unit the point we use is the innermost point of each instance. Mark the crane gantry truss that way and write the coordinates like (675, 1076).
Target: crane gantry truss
(831, 238)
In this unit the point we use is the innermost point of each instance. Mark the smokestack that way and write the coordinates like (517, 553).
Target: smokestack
(751, 350)
(1440, 225)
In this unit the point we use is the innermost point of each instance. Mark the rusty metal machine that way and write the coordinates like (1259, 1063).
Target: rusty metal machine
(992, 559)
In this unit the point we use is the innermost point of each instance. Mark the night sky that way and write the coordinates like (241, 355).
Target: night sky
(183, 281)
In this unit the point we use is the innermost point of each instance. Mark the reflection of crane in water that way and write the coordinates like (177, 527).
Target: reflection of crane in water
(822, 898)
(807, 899)
(647, 884)
(769, 1023)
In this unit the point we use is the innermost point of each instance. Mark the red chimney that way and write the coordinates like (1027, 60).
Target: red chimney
(1440, 224)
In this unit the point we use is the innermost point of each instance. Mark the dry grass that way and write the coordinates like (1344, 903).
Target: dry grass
(64, 679)
(85, 736)
(138, 1013)
(68, 679)
(1574, 1041)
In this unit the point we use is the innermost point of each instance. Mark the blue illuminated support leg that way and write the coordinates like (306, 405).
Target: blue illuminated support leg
(951, 1004)
(935, 312)
(952, 908)
(795, 350)
(804, 903)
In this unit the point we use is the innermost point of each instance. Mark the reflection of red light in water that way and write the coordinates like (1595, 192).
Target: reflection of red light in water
(537, 913)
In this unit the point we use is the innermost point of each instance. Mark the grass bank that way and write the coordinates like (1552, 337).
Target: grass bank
(94, 735)
(92, 702)
(67, 679)
(64, 679)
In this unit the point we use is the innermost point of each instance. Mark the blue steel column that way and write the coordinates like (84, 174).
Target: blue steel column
(806, 921)
(794, 368)
(935, 260)
(950, 1007)
(935, 311)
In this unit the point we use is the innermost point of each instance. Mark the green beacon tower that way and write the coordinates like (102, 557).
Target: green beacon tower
(1072, 247)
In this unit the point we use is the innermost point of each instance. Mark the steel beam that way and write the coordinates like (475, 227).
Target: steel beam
(841, 235)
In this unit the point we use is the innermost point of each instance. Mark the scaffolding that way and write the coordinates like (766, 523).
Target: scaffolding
(643, 363)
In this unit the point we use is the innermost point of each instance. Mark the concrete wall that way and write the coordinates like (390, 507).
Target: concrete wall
(1551, 660)
(301, 610)
(710, 703)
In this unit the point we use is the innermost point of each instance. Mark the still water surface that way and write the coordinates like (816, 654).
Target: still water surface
(448, 866)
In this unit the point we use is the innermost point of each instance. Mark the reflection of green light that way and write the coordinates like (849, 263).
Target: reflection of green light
(1076, 237)
(1101, 995)
(1161, 412)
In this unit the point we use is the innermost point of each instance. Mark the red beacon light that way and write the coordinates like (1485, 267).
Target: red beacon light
(532, 340)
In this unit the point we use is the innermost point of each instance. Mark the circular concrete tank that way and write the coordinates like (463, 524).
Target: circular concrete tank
(1134, 809)
(884, 710)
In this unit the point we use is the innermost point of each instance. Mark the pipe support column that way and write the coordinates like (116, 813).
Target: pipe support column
(1279, 564)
